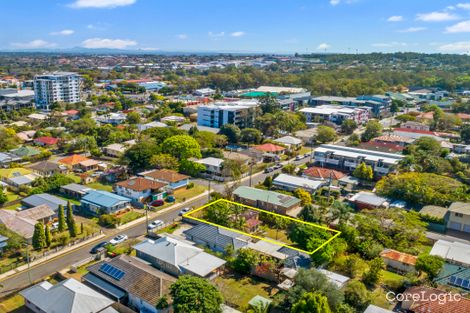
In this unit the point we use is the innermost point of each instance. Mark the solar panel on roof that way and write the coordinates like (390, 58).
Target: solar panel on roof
(452, 279)
(112, 271)
(459, 281)
(466, 284)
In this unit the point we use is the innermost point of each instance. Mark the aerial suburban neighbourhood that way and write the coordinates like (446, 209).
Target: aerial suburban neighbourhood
(214, 176)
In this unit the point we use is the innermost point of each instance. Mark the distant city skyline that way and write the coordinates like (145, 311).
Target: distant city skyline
(333, 26)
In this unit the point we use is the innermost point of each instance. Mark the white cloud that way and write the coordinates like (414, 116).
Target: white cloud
(462, 27)
(182, 36)
(436, 17)
(98, 43)
(389, 44)
(412, 30)
(65, 32)
(150, 49)
(80, 4)
(395, 18)
(461, 46)
(34, 44)
(323, 46)
(216, 35)
(465, 6)
(237, 34)
(334, 2)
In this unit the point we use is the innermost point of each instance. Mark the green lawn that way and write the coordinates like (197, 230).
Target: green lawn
(11, 196)
(13, 304)
(130, 216)
(241, 289)
(75, 178)
(183, 194)
(169, 229)
(100, 186)
(12, 207)
(280, 235)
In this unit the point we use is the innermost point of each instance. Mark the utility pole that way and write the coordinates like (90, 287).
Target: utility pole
(209, 190)
(29, 265)
(147, 218)
(251, 170)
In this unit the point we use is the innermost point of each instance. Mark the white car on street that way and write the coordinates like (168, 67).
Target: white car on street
(118, 239)
(155, 224)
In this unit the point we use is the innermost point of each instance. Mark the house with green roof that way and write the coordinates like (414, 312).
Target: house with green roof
(266, 199)
(26, 152)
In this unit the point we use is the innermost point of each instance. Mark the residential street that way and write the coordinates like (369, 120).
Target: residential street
(21, 280)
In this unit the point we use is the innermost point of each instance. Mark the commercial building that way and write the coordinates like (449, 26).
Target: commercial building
(349, 158)
(57, 87)
(337, 114)
(379, 105)
(241, 113)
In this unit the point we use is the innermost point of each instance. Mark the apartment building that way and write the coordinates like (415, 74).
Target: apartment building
(348, 158)
(241, 113)
(57, 87)
(337, 114)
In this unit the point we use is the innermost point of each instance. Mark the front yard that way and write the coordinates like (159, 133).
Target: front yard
(240, 290)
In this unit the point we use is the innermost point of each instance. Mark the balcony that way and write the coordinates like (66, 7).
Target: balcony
(327, 161)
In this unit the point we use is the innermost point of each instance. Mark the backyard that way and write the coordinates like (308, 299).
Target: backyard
(240, 290)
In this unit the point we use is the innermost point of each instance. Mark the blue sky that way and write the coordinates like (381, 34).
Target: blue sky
(238, 25)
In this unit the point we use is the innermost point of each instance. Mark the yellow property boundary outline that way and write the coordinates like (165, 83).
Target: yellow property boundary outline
(336, 232)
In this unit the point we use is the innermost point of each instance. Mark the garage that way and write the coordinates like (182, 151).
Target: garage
(455, 226)
(466, 228)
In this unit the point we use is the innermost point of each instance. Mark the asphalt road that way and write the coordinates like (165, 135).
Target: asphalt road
(20, 280)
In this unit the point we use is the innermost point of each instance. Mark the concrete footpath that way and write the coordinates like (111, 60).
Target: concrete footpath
(50, 256)
(102, 235)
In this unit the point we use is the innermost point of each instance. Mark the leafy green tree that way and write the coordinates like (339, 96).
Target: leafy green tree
(269, 104)
(218, 213)
(353, 141)
(48, 236)
(162, 303)
(39, 237)
(325, 134)
(61, 217)
(245, 260)
(303, 195)
(70, 220)
(8, 139)
(423, 188)
(164, 161)
(465, 133)
(357, 295)
(430, 264)
(251, 135)
(312, 302)
(3, 197)
(348, 126)
(363, 171)
(289, 168)
(311, 280)
(133, 118)
(373, 275)
(268, 182)
(191, 168)
(138, 156)
(195, 294)
(373, 129)
(182, 147)
(231, 131)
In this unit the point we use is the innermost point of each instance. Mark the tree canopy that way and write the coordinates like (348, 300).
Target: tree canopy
(195, 294)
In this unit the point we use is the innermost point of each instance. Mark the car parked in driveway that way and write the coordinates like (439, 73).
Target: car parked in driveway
(98, 247)
(155, 224)
(118, 239)
(268, 170)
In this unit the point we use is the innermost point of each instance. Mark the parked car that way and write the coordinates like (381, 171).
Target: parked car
(268, 170)
(98, 247)
(306, 155)
(170, 199)
(157, 203)
(118, 239)
(183, 211)
(298, 158)
(277, 166)
(155, 224)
